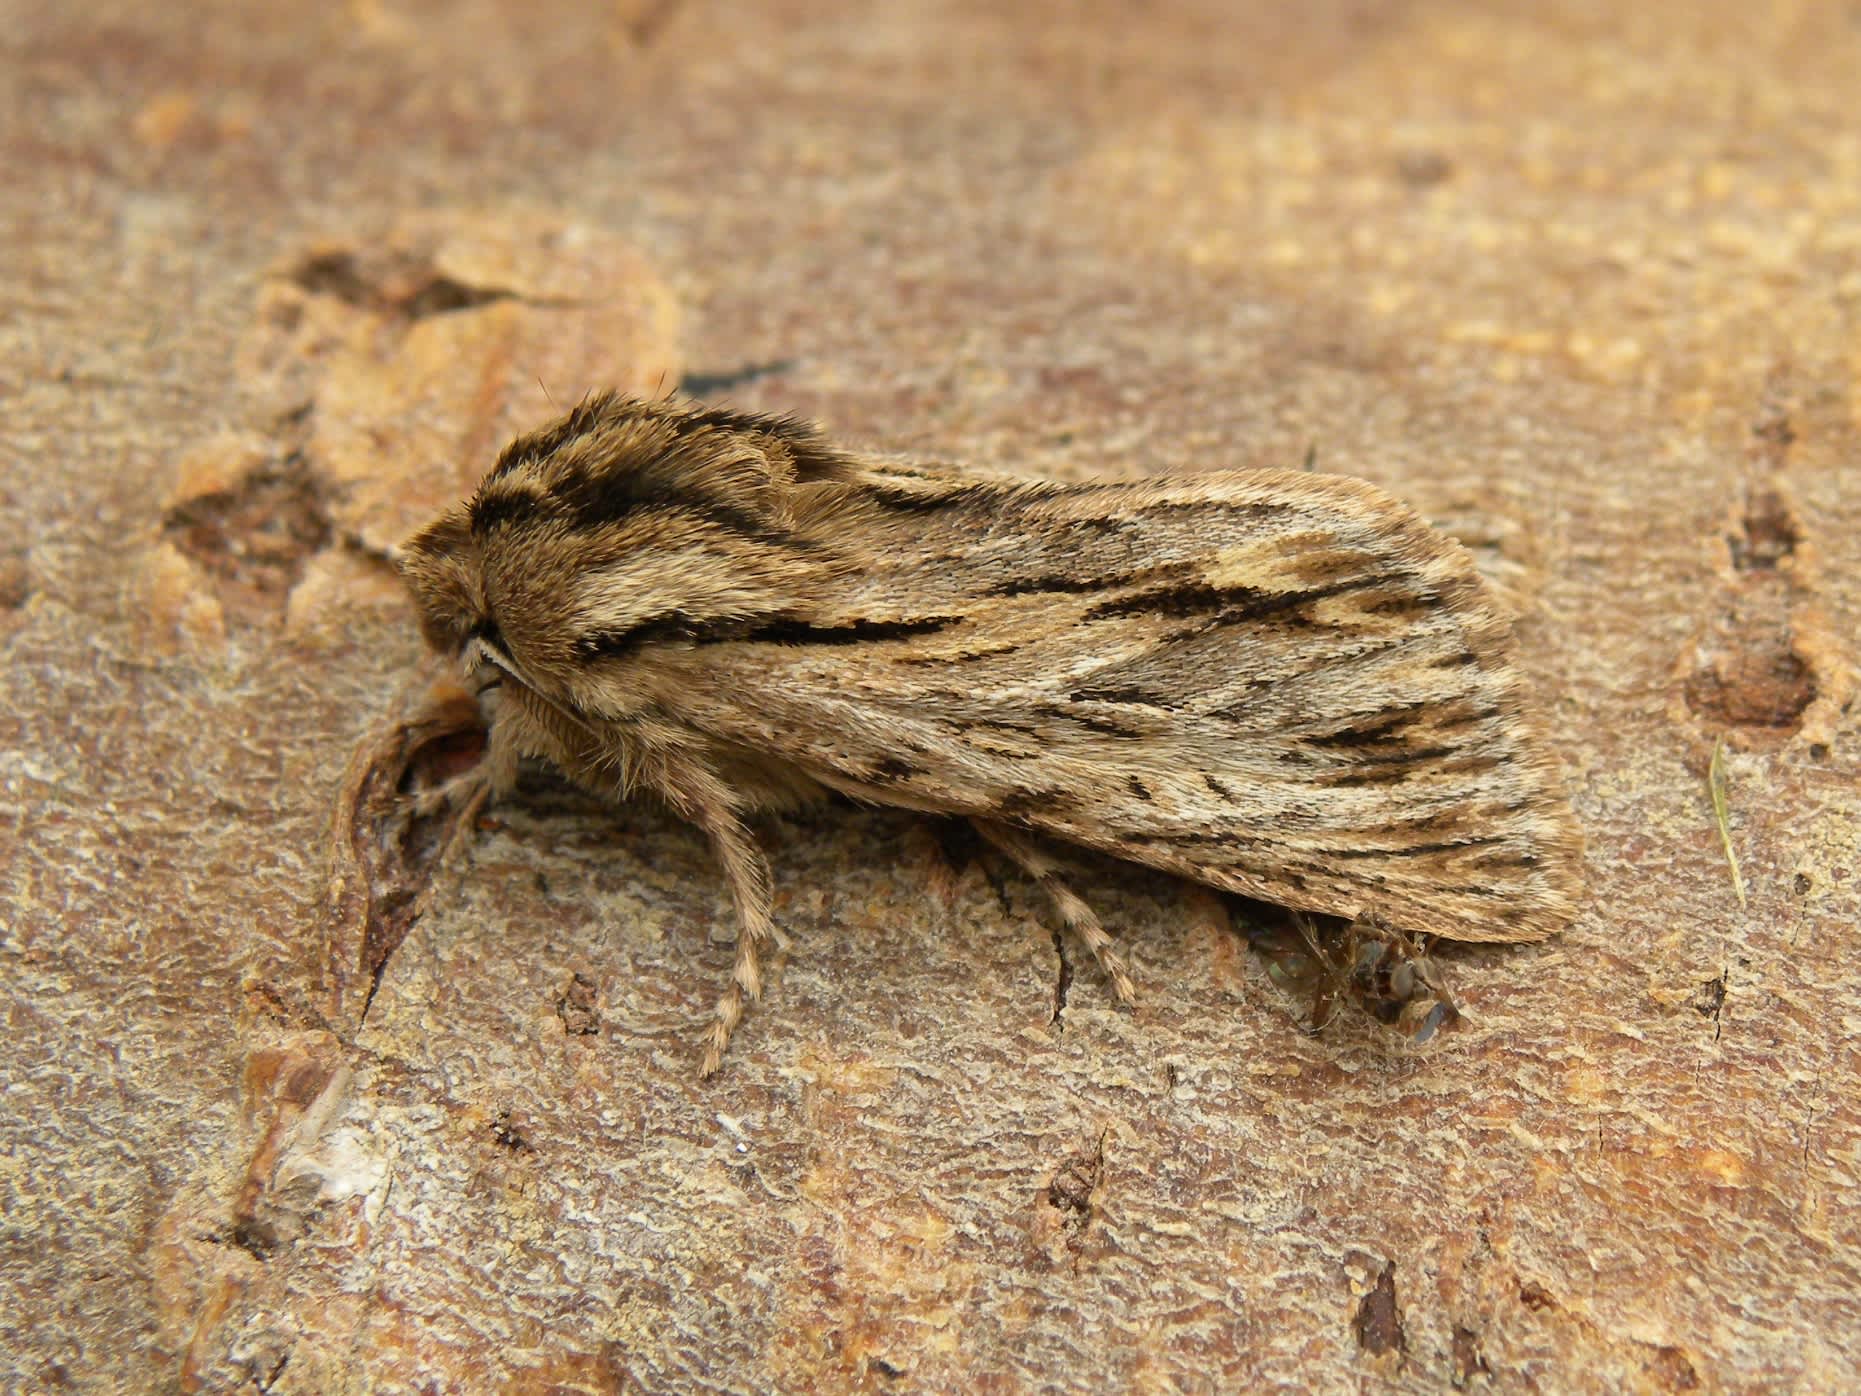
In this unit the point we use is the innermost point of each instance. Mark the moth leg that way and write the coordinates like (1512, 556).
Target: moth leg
(1074, 913)
(747, 872)
(467, 793)
(700, 797)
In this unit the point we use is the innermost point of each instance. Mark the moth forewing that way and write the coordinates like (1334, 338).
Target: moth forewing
(1253, 681)
(1280, 684)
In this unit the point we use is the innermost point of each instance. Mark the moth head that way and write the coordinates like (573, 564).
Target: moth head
(624, 523)
(442, 567)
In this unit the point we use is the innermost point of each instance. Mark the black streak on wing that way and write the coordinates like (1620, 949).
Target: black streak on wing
(1104, 726)
(1231, 604)
(1389, 723)
(1129, 695)
(678, 627)
(903, 500)
(1384, 775)
(1417, 757)
(891, 768)
(1056, 582)
(944, 661)
(673, 627)
(853, 632)
(1227, 513)
(1017, 805)
(1415, 849)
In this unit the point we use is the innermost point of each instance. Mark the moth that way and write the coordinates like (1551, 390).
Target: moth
(1281, 684)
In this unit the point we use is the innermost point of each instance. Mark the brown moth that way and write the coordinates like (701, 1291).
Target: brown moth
(1281, 684)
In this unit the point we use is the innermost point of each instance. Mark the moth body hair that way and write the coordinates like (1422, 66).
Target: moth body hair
(1277, 683)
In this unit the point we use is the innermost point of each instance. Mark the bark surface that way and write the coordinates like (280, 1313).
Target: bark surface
(294, 1105)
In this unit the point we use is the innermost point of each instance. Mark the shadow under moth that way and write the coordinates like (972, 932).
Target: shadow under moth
(1279, 684)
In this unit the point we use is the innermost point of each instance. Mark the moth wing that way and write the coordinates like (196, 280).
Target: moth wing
(1285, 685)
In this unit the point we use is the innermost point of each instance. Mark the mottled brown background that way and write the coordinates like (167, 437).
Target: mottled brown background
(1580, 280)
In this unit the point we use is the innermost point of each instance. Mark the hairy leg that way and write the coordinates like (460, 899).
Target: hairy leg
(1027, 855)
(747, 872)
(467, 794)
(698, 795)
